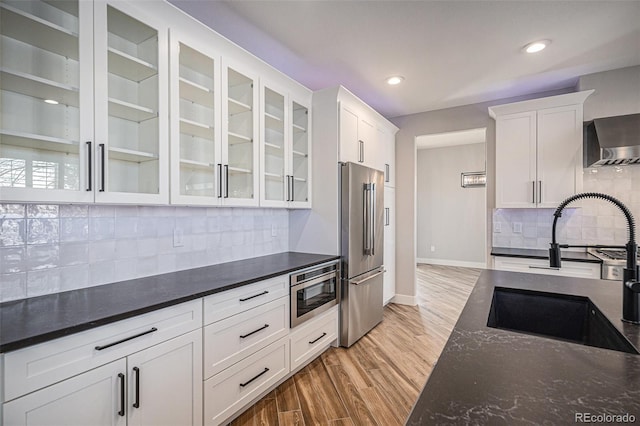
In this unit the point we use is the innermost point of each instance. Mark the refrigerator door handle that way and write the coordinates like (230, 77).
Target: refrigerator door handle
(367, 214)
(363, 280)
(372, 221)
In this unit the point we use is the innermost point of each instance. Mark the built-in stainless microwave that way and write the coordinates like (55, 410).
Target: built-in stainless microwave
(314, 291)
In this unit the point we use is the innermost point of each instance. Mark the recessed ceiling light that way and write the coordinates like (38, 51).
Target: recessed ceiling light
(536, 46)
(51, 101)
(396, 79)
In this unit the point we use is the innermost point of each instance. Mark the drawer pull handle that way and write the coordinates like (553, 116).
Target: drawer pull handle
(255, 295)
(254, 331)
(255, 377)
(136, 404)
(315, 340)
(553, 268)
(126, 339)
(122, 384)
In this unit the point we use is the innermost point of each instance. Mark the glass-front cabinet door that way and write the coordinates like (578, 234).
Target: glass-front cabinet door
(131, 105)
(46, 100)
(239, 147)
(196, 155)
(273, 128)
(300, 152)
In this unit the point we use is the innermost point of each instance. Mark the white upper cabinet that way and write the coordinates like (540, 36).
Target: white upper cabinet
(46, 100)
(64, 63)
(240, 125)
(284, 149)
(196, 149)
(387, 161)
(538, 151)
(131, 105)
(358, 137)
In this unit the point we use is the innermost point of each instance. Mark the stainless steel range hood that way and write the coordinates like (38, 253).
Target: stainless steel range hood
(612, 141)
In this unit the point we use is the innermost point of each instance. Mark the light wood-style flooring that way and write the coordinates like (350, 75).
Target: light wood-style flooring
(377, 380)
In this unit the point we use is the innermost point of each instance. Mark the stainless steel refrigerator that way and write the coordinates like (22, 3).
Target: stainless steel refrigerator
(362, 245)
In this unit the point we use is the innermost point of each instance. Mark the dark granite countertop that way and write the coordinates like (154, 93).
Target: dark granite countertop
(544, 254)
(39, 319)
(491, 376)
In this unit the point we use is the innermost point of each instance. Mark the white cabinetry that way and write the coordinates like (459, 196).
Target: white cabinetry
(284, 149)
(84, 95)
(541, 266)
(310, 339)
(246, 346)
(389, 244)
(538, 151)
(387, 160)
(144, 370)
(358, 136)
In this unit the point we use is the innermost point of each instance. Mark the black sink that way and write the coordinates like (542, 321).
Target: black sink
(558, 316)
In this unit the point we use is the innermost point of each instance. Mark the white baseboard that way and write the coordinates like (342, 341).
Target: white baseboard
(403, 299)
(446, 262)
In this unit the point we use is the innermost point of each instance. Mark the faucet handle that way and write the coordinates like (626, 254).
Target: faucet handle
(633, 285)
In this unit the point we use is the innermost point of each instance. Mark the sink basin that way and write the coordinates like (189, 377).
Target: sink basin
(558, 316)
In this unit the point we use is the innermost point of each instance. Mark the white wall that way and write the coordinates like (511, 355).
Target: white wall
(451, 219)
(52, 248)
(617, 92)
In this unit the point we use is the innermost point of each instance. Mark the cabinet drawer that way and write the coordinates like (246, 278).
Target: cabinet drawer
(541, 266)
(227, 303)
(41, 365)
(228, 391)
(230, 340)
(312, 338)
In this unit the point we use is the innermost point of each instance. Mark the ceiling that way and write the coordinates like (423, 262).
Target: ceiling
(451, 53)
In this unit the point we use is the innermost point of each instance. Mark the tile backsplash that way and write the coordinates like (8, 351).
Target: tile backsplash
(596, 222)
(53, 248)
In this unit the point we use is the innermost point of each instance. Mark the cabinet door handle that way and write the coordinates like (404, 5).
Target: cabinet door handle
(126, 339)
(122, 390)
(386, 216)
(533, 191)
(219, 180)
(361, 154)
(136, 404)
(89, 165)
(540, 192)
(244, 336)
(386, 173)
(255, 377)
(226, 181)
(255, 295)
(101, 146)
(315, 340)
(292, 188)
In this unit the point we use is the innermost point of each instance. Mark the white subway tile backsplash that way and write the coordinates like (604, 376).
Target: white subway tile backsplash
(594, 222)
(43, 231)
(12, 232)
(49, 248)
(13, 286)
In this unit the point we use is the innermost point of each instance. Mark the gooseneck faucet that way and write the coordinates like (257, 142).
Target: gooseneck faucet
(631, 275)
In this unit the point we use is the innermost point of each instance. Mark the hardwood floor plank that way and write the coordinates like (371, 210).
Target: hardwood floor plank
(287, 396)
(266, 413)
(326, 392)
(358, 410)
(245, 419)
(342, 422)
(312, 410)
(380, 407)
(291, 418)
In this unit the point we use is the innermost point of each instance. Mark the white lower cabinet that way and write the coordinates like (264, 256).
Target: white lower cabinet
(313, 337)
(91, 398)
(227, 392)
(541, 266)
(157, 386)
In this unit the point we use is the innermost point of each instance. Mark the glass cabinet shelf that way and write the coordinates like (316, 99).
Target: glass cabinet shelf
(124, 154)
(129, 67)
(38, 87)
(38, 32)
(130, 112)
(237, 107)
(39, 142)
(196, 164)
(196, 93)
(193, 128)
